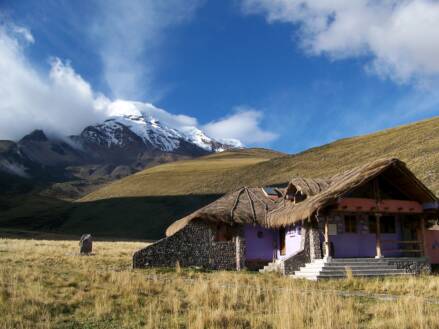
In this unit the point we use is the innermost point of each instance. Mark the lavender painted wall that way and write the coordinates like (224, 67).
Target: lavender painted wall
(292, 241)
(258, 248)
(266, 245)
(362, 243)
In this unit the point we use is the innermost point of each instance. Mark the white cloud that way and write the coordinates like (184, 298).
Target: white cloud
(24, 32)
(61, 101)
(243, 125)
(124, 107)
(400, 36)
(128, 35)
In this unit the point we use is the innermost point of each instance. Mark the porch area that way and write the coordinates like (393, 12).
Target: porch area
(373, 235)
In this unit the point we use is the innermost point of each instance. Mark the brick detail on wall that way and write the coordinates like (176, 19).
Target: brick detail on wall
(194, 245)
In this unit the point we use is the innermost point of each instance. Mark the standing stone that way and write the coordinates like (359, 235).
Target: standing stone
(85, 244)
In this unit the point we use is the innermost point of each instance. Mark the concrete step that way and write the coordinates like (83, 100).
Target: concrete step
(372, 274)
(340, 265)
(271, 267)
(354, 270)
(360, 260)
(338, 268)
(358, 263)
(316, 276)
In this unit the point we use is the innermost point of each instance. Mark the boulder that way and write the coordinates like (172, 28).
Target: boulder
(86, 244)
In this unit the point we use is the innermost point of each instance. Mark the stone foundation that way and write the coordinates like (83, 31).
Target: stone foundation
(194, 245)
(418, 265)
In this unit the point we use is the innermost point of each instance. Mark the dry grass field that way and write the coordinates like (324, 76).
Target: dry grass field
(45, 284)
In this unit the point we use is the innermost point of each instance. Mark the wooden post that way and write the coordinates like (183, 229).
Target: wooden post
(327, 254)
(422, 236)
(238, 252)
(378, 236)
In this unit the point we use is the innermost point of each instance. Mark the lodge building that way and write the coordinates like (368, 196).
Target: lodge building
(375, 219)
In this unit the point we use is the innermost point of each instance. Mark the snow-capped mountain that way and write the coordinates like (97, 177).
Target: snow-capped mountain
(129, 140)
(121, 130)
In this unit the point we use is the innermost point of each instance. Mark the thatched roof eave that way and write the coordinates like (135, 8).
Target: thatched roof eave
(342, 184)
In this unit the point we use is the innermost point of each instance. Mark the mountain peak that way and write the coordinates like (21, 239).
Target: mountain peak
(35, 136)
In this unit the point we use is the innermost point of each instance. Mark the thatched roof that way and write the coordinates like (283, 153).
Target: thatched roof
(253, 206)
(244, 206)
(307, 186)
(394, 169)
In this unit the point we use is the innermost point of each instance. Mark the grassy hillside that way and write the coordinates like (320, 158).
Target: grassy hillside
(417, 144)
(184, 177)
(130, 215)
(141, 206)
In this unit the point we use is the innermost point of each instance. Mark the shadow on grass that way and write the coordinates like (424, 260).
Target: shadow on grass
(137, 218)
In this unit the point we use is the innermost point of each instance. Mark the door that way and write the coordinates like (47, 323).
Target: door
(282, 245)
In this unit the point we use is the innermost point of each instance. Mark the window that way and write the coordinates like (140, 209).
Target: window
(387, 224)
(260, 234)
(350, 224)
(372, 224)
(223, 233)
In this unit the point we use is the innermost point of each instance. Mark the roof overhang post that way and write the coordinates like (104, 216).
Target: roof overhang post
(378, 236)
(422, 236)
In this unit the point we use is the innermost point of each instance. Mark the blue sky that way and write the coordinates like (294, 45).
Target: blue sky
(283, 74)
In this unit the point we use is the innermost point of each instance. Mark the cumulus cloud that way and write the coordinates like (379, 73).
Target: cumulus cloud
(398, 37)
(243, 125)
(124, 107)
(60, 101)
(128, 35)
(24, 32)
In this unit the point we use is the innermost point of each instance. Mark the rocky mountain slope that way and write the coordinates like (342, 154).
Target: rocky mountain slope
(117, 147)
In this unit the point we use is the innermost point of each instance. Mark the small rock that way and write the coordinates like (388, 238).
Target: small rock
(86, 244)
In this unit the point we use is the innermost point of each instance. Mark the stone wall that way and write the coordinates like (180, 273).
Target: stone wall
(227, 255)
(315, 248)
(194, 245)
(412, 265)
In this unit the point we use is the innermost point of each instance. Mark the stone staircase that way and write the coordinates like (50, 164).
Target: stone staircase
(337, 268)
(274, 266)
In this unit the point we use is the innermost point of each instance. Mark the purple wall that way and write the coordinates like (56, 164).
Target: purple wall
(266, 245)
(363, 243)
(258, 248)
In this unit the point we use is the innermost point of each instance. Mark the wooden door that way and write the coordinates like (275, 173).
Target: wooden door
(282, 245)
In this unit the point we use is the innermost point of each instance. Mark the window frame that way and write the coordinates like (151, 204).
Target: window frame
(384, 224)
(350, 224)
